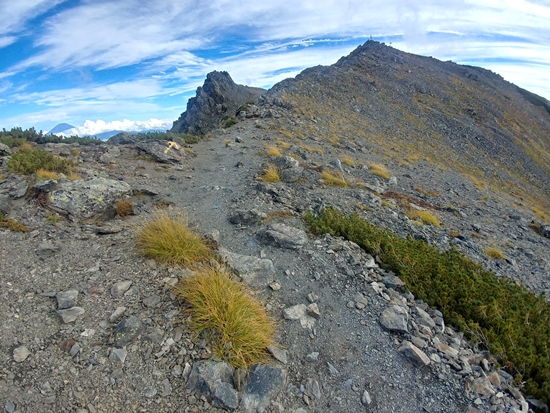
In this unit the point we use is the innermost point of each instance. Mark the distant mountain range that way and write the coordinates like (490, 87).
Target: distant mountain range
(65, 129)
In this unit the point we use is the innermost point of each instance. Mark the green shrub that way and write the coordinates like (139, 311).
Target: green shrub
(513, 323)
(28, 162)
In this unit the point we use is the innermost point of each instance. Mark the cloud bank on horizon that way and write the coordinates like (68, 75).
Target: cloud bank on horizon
(122, 62)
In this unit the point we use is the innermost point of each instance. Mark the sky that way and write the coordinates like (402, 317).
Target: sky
(104, 65)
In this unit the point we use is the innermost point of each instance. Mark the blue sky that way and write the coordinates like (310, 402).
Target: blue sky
(132, 64)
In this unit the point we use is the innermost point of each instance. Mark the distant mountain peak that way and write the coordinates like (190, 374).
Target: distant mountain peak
(61, 127)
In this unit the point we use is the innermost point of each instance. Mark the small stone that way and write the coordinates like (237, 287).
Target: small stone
(331, 369)
(127, 330)
(9, 407)
(313, 388)
(444, 348)
(20, 354)
(70, 314)
(166, 388)
(313, 311)
(414, 354)
(366, 399)
(118, 289)
(275, 286)
(312, 297)
(279, 354)
(177, 370)
(66, 299)
(96, 290)
(116, 314)
(295, 312)
(395, 319)
(314, 356)
(150, 392)
(75, 349)
(118, 354)
(151, 301)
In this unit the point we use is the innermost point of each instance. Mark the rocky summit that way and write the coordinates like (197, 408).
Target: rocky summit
(434, 151)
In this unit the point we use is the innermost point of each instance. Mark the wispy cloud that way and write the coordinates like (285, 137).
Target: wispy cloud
(16, 13)
(91, 128)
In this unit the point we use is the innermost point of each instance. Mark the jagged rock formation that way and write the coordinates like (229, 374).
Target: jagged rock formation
(219, 97)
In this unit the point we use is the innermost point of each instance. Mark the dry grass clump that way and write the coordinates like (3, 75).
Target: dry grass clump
(379, 170)
(348, 160)
(283, 145)
(25, 147)
(44, 175)
(271, 150)
(426, 191)
(124, 208)
(284, 214)
(11, 224)
(168, 240)
(271, 174)
(236, 324)
(494, 253)
(333, 178)
(426, 217)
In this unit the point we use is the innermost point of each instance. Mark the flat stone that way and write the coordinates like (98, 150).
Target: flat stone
(313, 311)
(279, 354)
(256, 272)
(445, 348)
(127, 330)
(262, 382)
(424, 318)
(366, 399)
(247, 217)
(214, 380)
(116, 314)
(20, 354)
(47, 249)
(66, 299)
(118, 289)
(299, 312)
(9, 407)
(118, 354)
(151, 301)
(414, 354)
(285, 236)
(395, 319)
(70, 314)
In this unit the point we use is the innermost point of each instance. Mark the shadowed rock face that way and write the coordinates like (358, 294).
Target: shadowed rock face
(217, 98)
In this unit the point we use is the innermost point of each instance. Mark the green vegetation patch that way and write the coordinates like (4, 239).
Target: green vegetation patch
(27, 162)
(513, 323)
(11, 224)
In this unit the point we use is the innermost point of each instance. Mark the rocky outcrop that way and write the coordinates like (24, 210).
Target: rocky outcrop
(217, 98)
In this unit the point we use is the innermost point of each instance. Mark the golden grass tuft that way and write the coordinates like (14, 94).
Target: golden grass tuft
(426, 217)
(333, 178)
(283, 145)
(271, 150)
(235, 323)
(168, 240)
(284, 214)
(124, 208)
(494, 253)
(11, 224)
(271, 174)
(44, 175)
(348, 160)
(379, 170)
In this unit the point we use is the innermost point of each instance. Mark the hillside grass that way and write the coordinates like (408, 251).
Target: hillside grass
(513, 323)
(27, 161)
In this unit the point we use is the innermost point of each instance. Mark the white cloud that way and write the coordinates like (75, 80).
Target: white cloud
(16, 13)
(91, 128)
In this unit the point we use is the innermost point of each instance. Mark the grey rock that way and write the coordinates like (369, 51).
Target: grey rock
(151, 301)
(5, 206)
(45, 185)
(70, 314)
(289, 168)
(127, 330)
(5, 150)
(118, 354)
(9, 406)
(424, 318)
(85, 199)
(214, 380)
(75, 349)
(392, 281)
(312, 310)
(218, 97)
(47, 249)
(285, 236)
(256, 272)
(299, 312)
(117, 313)
(166, 388)
(18, 190)
(150, 392)
(160, 152)
(66, 299)
(20, 354)
(366, 399)
(262, 382)
(414, 354)
(247, 217)
(313, 388)
(118, 289)
(279, 354)
(395, 319)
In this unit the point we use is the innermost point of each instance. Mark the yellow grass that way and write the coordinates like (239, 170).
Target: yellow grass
(348, 160)
(168, 240)
(124, 208)
(271, 150)
(283, 145)
(494, 253)
(44, 175)
(426, 217)
(236, 324)
(379, 170)
(333, 178)
(271, 174)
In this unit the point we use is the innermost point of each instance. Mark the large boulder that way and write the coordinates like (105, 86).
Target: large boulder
(218, 97)
(86, 199)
